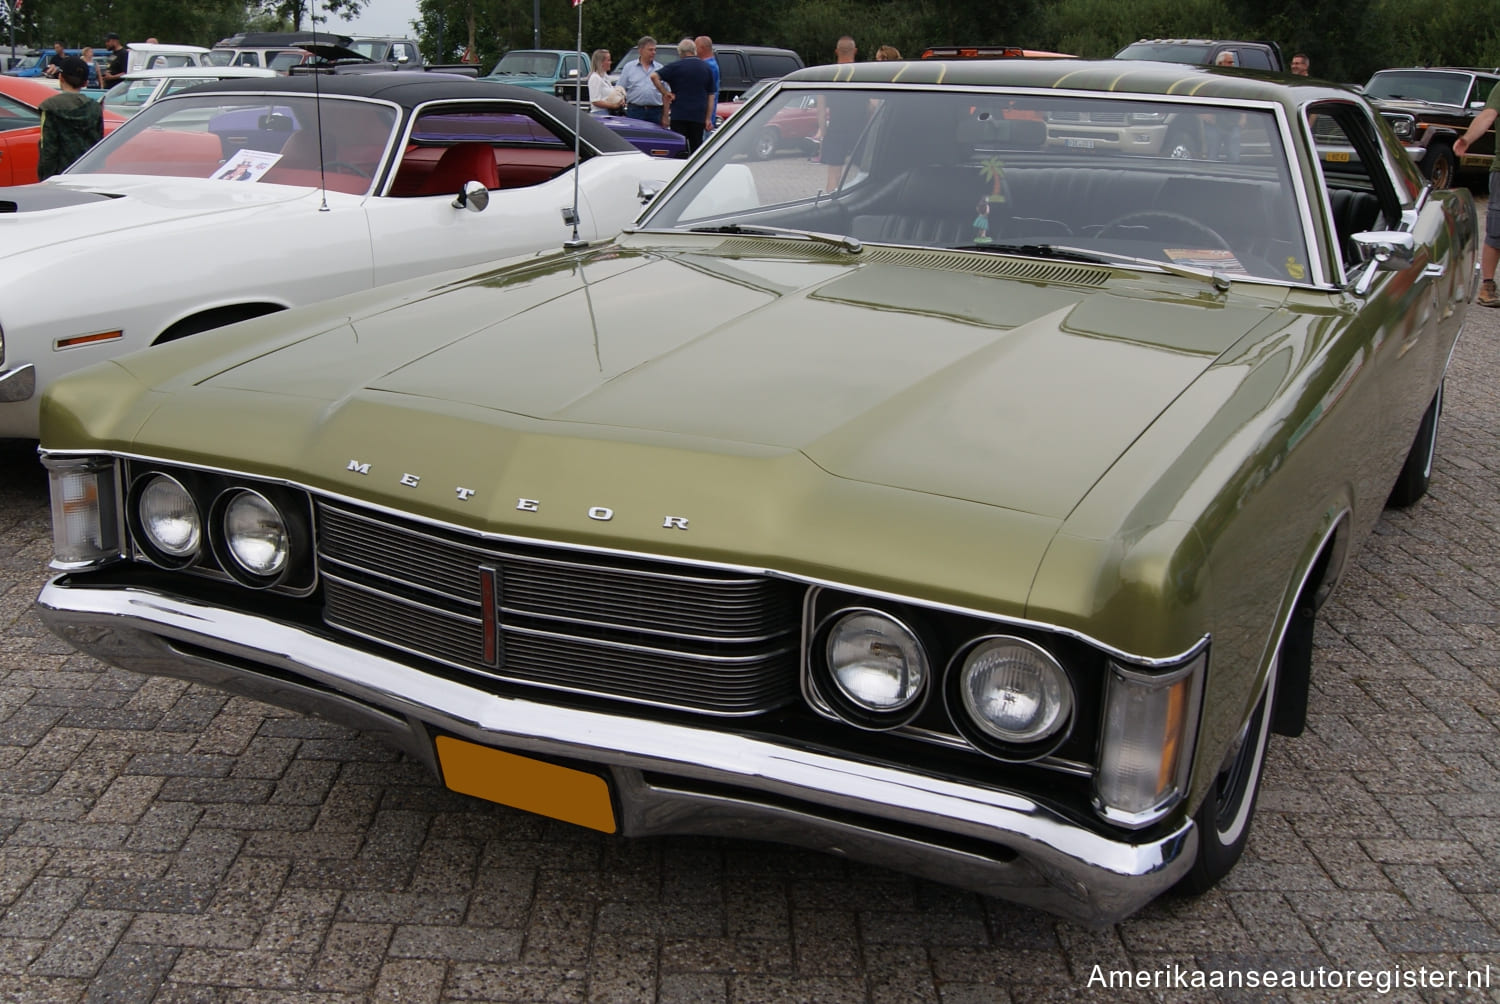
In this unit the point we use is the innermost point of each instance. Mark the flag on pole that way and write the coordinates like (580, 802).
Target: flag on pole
(577, 3)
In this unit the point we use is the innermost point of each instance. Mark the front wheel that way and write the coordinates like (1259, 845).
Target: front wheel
(766, 143)
(1223, 821)
(1439, 166)
(1416, 473)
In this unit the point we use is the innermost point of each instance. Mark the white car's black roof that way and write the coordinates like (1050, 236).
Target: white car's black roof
(409, 90)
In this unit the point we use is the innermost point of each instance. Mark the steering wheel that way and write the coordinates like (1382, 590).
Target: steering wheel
(1162, 225)
(344, 167)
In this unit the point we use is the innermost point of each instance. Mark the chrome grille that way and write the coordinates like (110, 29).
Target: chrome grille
(635, 629)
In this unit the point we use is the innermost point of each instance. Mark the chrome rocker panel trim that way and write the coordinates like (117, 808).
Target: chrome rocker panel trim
(1043, 859)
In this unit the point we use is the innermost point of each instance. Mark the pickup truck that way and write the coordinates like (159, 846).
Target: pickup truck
(1431, 106)
(1205, 51)
(540, 69)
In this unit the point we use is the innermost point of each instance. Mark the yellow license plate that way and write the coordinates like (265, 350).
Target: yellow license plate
(1337, 157)
(574, 796)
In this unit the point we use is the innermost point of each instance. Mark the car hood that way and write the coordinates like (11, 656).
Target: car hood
(956, 383)
(85, 207)
(1415, 106)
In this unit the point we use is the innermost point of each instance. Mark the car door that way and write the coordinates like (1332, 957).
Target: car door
(1397, 312)
(414, 225)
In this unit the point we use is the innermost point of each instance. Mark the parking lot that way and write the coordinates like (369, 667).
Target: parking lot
(162, 842)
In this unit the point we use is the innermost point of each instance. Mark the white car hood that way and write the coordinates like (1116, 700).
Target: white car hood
(87, 206)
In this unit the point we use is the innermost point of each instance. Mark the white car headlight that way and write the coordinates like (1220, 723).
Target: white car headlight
(876, 662)
(255, 534)
(1014, 692)
(168, 519)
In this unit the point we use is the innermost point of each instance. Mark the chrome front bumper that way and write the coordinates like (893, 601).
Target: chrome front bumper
(668, 779)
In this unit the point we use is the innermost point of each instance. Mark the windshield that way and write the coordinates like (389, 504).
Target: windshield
(267, 139)
(529, 64)
(1196, 185)
(129, 96)
(1416, 85)
(1167, 52)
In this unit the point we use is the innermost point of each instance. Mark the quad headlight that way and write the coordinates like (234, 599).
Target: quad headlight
(255, 534)
(1010, 698)
(165, 520)
(874, 671)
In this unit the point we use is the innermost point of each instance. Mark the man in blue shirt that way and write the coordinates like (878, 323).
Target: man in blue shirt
(646, 97)
(693, 89)
(705, 46)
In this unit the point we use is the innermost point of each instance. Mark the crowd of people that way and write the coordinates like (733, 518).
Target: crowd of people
(101, 72)
(682, 95)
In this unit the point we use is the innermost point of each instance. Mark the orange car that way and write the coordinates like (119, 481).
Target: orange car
(21, 127)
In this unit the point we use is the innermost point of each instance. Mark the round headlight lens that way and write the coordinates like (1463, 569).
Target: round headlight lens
(876, 662)
(1014, 691)
(256, 534)
(169, 518)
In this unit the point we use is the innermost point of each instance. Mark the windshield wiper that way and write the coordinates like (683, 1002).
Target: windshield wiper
(850, 244)
(1061, 252)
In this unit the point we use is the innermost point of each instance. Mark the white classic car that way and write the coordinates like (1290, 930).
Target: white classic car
(141, 87)
(245, 197)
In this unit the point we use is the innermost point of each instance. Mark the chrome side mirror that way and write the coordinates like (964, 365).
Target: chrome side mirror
(1382, 251)
(648, 190)
(1391, 249)
(474, 197)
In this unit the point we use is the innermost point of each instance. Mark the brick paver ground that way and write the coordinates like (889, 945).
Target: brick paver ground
(162, 842)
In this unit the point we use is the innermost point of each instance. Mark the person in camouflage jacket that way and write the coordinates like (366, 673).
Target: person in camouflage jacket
(71, 120)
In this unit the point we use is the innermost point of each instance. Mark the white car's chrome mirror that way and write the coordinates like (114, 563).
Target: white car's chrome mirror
(474, 197)
(648, 190)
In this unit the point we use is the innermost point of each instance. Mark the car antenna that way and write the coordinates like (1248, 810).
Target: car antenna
(570, 214)
(318, 116)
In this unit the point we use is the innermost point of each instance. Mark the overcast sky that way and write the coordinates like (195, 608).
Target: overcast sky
(380, 17)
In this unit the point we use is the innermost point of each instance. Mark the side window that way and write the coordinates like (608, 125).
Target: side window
(1483, 87)
(247, 59)
(571, 66)
(1255, 59)
(14, 115)
(732, 70)
(1361, 196)
(764, 65)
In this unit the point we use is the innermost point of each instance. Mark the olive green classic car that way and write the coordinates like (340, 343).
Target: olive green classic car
(960, 501)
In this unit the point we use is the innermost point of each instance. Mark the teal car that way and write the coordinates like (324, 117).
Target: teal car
(540, 69)
(961, 502)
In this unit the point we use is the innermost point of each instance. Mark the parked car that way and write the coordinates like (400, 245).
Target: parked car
(21, 130)
(407, 174)
(990, 52)
(1204, 52)
(404, 53)
(1431, 106)
(277, 50)
(540, 69)
(161, 56)
(142, 87)
(970, 513)
(740, 66)
(795, 125)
